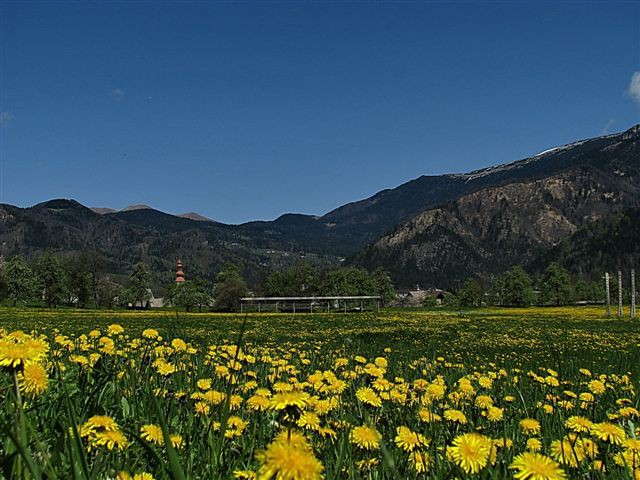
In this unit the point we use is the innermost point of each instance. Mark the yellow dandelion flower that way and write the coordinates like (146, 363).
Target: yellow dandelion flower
(367, 396)
(281, 461)
(115, 329)
(100, 422)
(282, 400)
(597, 387)
(258, 403)
(204, 383)
(628, 412)
(483, 401)
(530, 426)
(533, 466)
(152, 433)
(143, 476)
(609, 432)
(408, 440)
(455, 416)
(165, 368)
(111, 439)
(202, 408)
(436, 391)
(589, 447)
(309, 421)
(179, 344)
(470, 451)
(176, 440)
(213, 397)
(245, 475)
(494, 414)
(150, 333)
(578, 424)
(534, 445)
(427, 416)
(367, 464)
(365, 437)
(567, 451)
(33, 379)
(420, 461)
(632, 445)
(381, 362)
(14, 354)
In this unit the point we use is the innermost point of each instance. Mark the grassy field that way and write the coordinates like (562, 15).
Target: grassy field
(486, 393)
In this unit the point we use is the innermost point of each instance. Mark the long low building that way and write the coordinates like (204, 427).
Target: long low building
(318, 304)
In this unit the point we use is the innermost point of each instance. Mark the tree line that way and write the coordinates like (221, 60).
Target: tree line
(81, 281)
(516, 288)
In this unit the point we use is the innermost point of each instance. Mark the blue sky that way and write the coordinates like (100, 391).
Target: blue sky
(245, 111)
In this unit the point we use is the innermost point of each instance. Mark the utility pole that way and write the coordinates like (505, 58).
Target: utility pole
(633, 294)
(619, 294)
(608, 292)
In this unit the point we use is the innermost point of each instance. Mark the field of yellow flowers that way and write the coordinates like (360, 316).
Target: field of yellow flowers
(490, 394)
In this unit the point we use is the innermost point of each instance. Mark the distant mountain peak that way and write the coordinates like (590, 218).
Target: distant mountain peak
(60, 203)
(139, 206)
(103, 210)
(195, 216)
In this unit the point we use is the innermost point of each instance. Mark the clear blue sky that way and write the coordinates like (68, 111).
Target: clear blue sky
(248, 110)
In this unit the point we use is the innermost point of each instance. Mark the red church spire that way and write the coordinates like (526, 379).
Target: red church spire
(179, 272)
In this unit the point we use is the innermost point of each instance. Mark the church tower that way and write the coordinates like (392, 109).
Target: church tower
(179, 273)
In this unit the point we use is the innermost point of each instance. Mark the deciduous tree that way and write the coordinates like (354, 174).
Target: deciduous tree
(230, 287)
(20, 280)
(52, 279)
(140, 289)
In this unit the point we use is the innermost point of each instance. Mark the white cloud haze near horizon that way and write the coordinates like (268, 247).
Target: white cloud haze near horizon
(117, 93)
(634, 87)
(6, 117)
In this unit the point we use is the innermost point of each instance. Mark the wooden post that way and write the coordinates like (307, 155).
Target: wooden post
(311, 306)
(241, 306)
(608, 293)
(633, 294)
(328, 307)
(377, 306)
(619, 294)
(294, 307)
(345, 306)
(258, 307)
(276, 307)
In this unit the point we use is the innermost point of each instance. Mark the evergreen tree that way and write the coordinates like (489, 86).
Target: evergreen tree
(52, 280)
(140, 289)
(20, 280)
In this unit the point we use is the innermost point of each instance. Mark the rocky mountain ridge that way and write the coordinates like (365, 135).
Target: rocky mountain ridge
(431, 230)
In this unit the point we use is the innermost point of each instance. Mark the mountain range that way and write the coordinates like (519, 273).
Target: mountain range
(561, 204)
